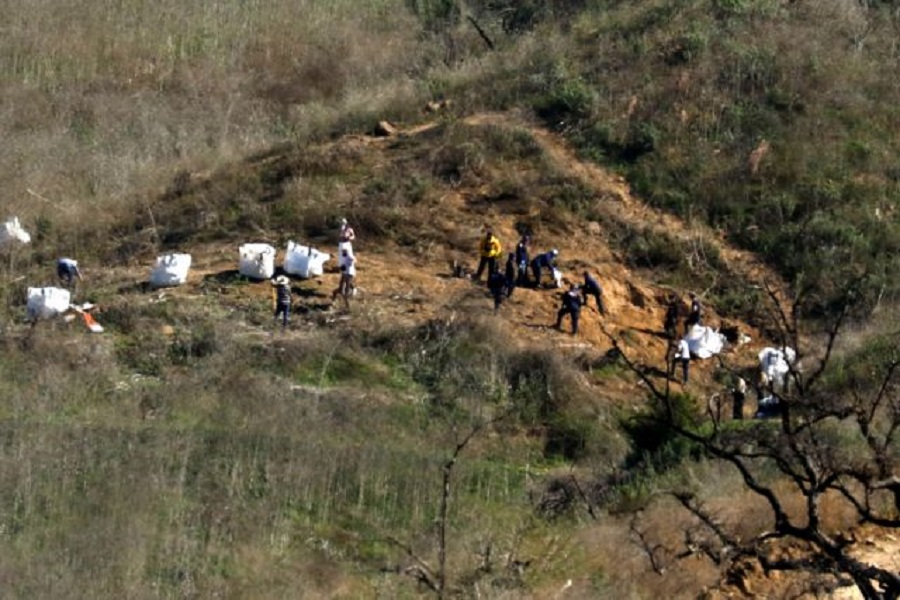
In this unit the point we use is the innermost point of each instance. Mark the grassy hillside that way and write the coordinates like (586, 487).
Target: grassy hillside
(193, 450)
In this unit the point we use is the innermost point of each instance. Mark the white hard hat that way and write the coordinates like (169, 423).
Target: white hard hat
(555, 251)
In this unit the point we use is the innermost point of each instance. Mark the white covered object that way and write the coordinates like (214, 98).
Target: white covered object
(775, 363)
(557, 277)
(12, 232)
(257, 261)
(44, 303)
(305, 261)
(704, 342)
(170, 270)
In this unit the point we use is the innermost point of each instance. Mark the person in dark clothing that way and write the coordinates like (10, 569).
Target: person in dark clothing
(67, 271)
(694, 315)
(571, 305)
(543, 261)
(510, 275)
(522, 260)
(739, 396)
(490, 251)
(282, 292)
(592, 288)
(497, 286)
(673, 313)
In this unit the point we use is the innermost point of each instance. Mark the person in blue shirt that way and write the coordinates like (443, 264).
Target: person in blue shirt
(592, 288)
(543, 261)
(571, 305)
(67, 271)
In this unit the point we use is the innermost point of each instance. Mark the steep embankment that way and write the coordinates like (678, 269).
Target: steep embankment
(409, 282)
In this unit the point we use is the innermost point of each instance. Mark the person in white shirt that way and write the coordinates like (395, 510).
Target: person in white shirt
(682, 355)
(347, 285)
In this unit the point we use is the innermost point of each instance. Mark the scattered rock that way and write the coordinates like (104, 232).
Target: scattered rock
(385, 129)
(594, 228)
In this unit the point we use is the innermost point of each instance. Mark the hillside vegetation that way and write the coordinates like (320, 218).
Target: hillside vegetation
(420, 444)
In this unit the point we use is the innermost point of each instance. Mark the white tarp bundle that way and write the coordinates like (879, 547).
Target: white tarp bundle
(170, 270)
(12, 232)
(305, 261)
(704, 342)
(557, 277)
(775, 364)
(257, 261)
(44, 303)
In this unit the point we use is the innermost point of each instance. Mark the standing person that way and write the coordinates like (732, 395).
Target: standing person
(510, 275)
(592, 288)
(67, 271)
(490, 251)
(543, 261)
(673, 314)
(571, 305)
(347, 285)
(522, 260)
(497, 286)
(282, 298)
(694, 315)
(346, 237)
(738, 395)
(682, 355)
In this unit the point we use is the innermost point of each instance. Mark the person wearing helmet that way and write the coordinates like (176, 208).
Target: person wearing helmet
(67, 271)
(541, 262)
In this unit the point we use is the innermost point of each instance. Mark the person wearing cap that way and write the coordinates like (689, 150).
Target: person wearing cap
(346, 233)
(571, 305)
(592, 288)
(543, 261)
(282, 294)
(497, 286)
(67, 271)
(490, 251)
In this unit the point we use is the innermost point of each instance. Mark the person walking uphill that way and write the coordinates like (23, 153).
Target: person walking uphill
(592, 288)
(282, 293)
(571, 305)
(490, 251)
(543, 261)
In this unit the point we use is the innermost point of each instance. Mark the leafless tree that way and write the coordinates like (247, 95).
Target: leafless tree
(828, 440)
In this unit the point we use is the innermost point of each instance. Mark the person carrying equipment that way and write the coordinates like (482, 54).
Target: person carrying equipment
(571, 305)
(282, 299)
(509, 274)
(522, 260)
(67, 271)
(490, 252)
(543, 261)
(497, 286)
(592, 288)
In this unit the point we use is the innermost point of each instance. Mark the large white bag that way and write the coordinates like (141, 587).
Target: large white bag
(12, 232)
(170, 270)
(704, 342)
(304, 261)
(44, 303)
(257, 261)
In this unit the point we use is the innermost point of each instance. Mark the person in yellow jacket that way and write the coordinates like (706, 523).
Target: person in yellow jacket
(490, 251)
